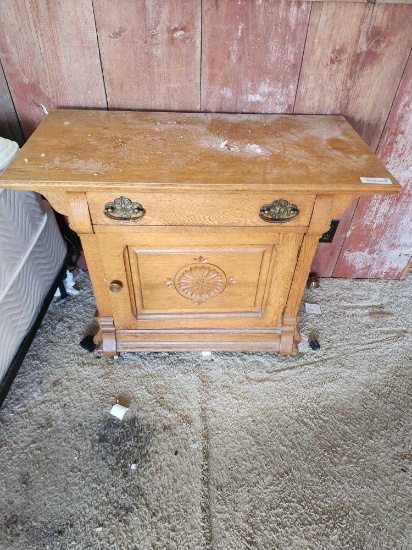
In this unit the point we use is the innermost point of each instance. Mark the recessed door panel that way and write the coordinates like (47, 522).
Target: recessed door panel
(199, 280)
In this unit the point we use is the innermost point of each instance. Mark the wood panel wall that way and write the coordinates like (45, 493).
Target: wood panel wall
(259, 56)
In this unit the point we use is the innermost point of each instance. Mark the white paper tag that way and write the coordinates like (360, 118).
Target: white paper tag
(313, 308)
(381, 181)
(118, 411)
(206, 355)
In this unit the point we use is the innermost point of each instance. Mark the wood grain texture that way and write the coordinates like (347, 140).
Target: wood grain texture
(327, 254)
(79, 216)
(87, 150)
(380, 241)
(9, 123)
(217, 245)
(353, 62)
(318, 225)
(205, 208)
(166, 273)
(50, 57)
(96, 272)
(290, 336)
(150, 53)
(59, 201)
(354, 57)
(129, 341)
(407, 269)
(165, 281)
(252, 52)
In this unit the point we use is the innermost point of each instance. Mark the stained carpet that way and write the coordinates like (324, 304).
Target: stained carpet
(246, 451)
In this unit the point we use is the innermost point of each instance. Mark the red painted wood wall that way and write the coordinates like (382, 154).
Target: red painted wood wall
(257, 56)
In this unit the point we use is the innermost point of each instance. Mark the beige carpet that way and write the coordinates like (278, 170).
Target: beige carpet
(246, 451)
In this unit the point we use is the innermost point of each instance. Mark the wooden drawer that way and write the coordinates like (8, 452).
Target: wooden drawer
(203, 208)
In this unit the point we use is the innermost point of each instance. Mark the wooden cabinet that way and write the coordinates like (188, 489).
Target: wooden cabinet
(198, 229)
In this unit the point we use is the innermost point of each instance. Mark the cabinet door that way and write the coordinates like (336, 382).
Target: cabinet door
(175, 277)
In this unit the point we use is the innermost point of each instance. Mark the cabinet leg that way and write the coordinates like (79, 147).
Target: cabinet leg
(106, 336)
(289, 337)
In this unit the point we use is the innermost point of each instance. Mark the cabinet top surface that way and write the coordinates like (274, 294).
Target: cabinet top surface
(98, 150)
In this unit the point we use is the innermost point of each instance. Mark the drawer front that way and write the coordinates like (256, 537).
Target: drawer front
(207, 208)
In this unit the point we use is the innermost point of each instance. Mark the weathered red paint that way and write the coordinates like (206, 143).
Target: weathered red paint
(252, 55)
(154, 62)
(50, 57)
(380, 241)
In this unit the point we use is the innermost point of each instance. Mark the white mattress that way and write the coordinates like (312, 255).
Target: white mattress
(22, 217)
(32, 251)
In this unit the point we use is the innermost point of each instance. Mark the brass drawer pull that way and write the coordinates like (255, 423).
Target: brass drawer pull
(279, 211)
(124, 210)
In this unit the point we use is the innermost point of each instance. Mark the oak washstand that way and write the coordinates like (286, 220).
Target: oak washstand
(198, 229)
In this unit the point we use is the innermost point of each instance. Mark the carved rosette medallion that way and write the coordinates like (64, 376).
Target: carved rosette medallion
(200, 282)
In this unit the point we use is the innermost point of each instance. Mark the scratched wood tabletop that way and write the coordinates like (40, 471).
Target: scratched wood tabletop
(299, 153)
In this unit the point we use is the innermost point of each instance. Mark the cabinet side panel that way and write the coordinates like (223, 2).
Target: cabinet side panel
(97, 274)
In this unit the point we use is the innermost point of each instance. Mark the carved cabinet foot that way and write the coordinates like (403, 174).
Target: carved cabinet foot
(105, 339)
(289, 337)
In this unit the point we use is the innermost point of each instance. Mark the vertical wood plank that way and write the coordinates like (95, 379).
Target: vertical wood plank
(150, 53)
(252, 53)
(9, 123)
(380, 241)
(50, 57)
(354, 58)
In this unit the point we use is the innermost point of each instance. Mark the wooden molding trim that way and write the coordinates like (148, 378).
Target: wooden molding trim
(258, 346)
(59, 201)
(340, 205)
(73, 205)
(289, 336)
(320, 220)
(79, 215)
